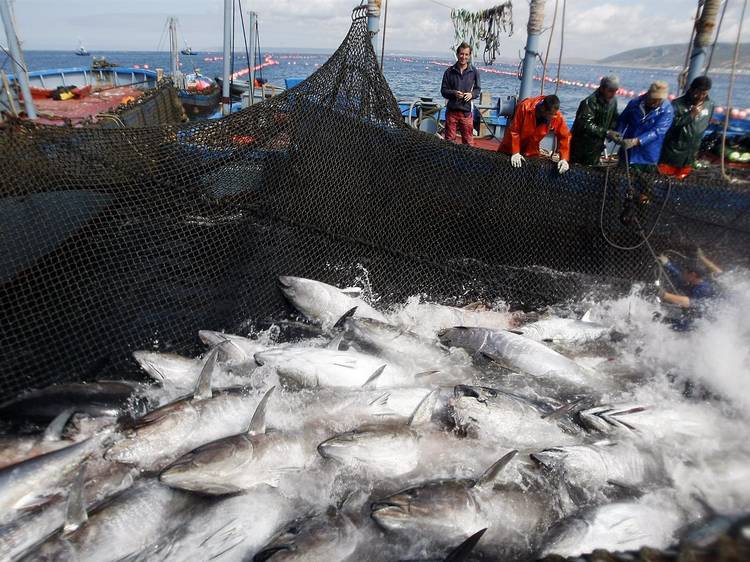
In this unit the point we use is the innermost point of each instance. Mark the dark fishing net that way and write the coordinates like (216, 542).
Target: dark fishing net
(120, 239)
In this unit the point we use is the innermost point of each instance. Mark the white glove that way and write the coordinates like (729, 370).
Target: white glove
(563, 166)
(517, 160)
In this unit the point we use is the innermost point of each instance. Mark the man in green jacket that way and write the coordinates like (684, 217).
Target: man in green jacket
(692, 113)
(595, 120)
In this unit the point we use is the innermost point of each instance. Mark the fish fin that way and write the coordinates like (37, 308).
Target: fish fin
(703, 502)
(562, 411)
(258, 423)
(586, 316)
(55, 428)
(75, 508)
(370, 383)
(340, 322)
(491, 473)
(462, 551)
(335, 342)
(381, 400)
(203, 386)
(427, 373)
(423, 414)
(354, 292)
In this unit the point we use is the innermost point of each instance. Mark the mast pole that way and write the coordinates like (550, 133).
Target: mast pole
(704, 30)
(534, 30)
(226, 107)
(373, 22)
(20, 71)
(175, 53)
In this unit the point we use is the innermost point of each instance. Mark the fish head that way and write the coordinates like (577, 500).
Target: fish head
(386, 450)
(208, 469)
(311, 298)
(315, 537)
(567, 537)
(454, 337)
(445, 509)
(483, 410)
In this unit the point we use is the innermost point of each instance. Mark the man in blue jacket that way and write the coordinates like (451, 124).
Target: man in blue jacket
(460, 86)
(644, 124)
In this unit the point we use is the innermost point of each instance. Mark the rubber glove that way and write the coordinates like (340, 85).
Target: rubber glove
(663, 259)
(517, 160)
(627, 144)
(562, 166)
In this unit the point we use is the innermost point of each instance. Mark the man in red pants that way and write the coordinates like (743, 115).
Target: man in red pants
(460, 86)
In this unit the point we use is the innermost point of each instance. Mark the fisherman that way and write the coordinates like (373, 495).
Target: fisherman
(460, 86)
(694, 281)
(595, 121)
(533, 120)
(692, 113)
(643, 125)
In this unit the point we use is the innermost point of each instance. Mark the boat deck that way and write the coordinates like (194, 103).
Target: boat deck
(56, 112)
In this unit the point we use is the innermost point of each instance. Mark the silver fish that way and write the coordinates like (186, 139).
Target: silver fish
(522, 354)
(325, 304)
(447, 512)
(617, 527)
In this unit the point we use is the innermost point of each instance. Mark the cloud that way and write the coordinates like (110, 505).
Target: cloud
(594, 29)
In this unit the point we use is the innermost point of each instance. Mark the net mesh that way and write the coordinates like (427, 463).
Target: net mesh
(133, 238)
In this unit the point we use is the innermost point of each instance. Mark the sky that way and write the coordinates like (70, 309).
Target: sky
(593, 29)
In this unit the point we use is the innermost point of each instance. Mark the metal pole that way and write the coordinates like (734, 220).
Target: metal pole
(704, 30)
(373, 22)
(175, 53)
(252, 22)
(226, 107)
(534, 30)
(17, 62)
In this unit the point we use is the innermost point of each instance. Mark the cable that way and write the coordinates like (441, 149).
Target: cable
(732, 78)
(682, 76)
(716, 38)
(441, 4)
(385, 23)
(630, 192)
(251, 84)
(549, 46)
(562, 44)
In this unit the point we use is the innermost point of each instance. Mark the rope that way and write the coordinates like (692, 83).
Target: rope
(251, 83)
(482, 26)
(716, 38)
(630, 192)
(732, 78)
(562, 44)
(682, 76)
(385, 25)
(549, 47)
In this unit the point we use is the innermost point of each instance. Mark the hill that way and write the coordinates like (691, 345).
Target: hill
(671, 56)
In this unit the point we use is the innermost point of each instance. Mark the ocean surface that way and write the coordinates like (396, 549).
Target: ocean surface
(409, 76)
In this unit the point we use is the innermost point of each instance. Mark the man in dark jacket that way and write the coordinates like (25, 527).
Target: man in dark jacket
(595, 121)
(692, 113)
(460, 86)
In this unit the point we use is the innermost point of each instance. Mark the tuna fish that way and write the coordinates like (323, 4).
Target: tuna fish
(564, 330)
(447, 512)
(332, 536)
(513, 420)
(315, 367)
(616, 527)
(324, 304)
(522, 354)
(240, 462)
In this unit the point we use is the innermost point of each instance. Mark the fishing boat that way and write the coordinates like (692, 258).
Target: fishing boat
(188, 51)
(81, 51)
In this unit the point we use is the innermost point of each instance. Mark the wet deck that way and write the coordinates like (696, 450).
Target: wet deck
(75, 111)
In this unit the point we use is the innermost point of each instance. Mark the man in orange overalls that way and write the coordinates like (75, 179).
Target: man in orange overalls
(533, 120)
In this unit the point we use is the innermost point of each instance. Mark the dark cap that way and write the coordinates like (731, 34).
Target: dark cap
(702, 83)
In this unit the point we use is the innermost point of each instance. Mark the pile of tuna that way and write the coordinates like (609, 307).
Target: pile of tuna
(428, 433)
